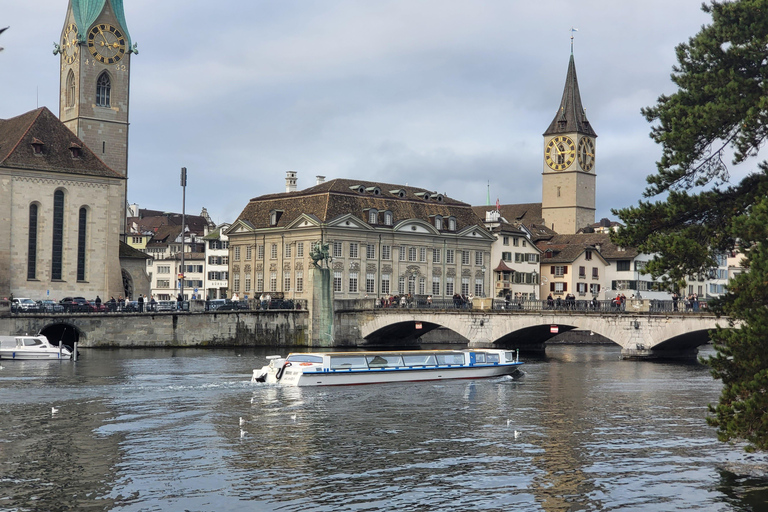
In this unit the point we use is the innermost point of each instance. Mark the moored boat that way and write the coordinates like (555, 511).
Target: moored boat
(349, 368)
(31, 347)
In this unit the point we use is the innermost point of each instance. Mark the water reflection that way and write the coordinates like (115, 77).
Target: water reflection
(160, 430)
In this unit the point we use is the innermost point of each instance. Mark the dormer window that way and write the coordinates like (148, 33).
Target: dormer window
(358, 188)
(387, 218)
(374, 190)
(274, 217)
(398, 192)
(451, 223)
(37, 146)
(439, 198)
(75, 150)
(373, 216)
(438, 222)
(424, 195)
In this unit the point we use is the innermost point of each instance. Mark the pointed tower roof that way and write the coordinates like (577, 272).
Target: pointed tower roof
(571, 116)
(86, 12)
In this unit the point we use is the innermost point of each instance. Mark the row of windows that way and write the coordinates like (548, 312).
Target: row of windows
(521, 257)
(516, 241)
(57, 242)
(562, 270)
(272, 285)
(354, 250)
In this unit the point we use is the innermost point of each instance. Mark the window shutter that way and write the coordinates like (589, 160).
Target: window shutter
(565, 287)
(553, 270)
(551, 287)
(565, 270)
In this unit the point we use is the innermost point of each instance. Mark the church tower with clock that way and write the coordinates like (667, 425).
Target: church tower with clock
(568, 180)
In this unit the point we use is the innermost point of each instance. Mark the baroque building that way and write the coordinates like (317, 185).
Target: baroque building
(383, 239)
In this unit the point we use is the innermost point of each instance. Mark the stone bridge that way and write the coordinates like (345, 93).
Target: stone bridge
(640, 335)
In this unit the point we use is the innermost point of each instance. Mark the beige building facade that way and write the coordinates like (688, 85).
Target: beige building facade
(383, 240)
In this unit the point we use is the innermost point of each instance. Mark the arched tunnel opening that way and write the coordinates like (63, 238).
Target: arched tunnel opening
(402, 334)
(67, 334)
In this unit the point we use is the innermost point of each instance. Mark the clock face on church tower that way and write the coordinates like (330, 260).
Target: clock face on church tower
(106, 43)
(560, 153)
(586, 154)
(69, 44)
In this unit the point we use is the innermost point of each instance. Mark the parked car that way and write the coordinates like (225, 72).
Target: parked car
(50, 306)
(281, 304)
(131, 306)
(24, 305)
(214, 304)
(230, 305)
(165, 305)
(75, 304)
(101, 307)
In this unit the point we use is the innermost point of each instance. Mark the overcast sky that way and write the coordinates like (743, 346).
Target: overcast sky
(446, 95)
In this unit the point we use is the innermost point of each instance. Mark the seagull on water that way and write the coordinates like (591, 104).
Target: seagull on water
(54, 410)
(243, 433)
(517, 434)
(293, 417)
(242, 421)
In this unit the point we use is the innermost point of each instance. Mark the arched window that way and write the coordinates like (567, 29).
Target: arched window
(70, 89)
(103, 90)
(58, 235)
(388, 218)
(438, 222)
(373, 216)
(32, 244)
(82, 226)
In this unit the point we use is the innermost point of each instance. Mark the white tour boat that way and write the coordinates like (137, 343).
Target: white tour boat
(31, 347)
(346, 368)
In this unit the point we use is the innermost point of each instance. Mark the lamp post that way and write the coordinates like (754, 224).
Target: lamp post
(183, 222)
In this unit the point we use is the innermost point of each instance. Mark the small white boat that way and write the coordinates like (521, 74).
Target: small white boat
(31, 347)
(348, 368)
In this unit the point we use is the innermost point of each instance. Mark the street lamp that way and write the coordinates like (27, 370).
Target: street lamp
(183, 223)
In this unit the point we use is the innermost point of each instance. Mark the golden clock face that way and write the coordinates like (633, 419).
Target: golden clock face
(69, 46)
(560, 153)
(586, 154)
(106, 43)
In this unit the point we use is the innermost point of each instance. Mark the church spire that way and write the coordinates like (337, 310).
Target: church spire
(571, 116)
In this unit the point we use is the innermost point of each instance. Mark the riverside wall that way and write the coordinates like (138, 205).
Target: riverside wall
(172, 329)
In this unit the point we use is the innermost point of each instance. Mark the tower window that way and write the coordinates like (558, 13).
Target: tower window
(103, 90)
(70, 100)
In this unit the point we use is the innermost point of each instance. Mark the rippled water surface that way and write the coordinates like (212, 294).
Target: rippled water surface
(160, 430)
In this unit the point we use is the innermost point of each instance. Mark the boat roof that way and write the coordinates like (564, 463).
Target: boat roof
(367, 352)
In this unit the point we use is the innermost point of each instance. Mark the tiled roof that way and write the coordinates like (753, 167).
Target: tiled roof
(566, 248)
(502, 267)
(18, 134)
(524, 213)
(338, 197)
(128, 252)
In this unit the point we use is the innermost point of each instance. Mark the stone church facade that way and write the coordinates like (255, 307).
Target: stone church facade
(63, 180)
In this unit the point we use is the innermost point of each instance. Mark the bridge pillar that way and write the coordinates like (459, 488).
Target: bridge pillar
(646, 354)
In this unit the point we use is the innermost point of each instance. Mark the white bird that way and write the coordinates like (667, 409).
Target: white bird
(243, 433)
(54, 410)
(508, 422)
(293, 417)
(517, 434)
(242, 421)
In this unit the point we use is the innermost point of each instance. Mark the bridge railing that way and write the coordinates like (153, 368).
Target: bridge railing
(602, 306)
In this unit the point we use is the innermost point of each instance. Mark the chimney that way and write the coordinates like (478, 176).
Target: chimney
(320, 179)
(290, 181)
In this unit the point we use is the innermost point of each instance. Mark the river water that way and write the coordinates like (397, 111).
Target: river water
(159, 430)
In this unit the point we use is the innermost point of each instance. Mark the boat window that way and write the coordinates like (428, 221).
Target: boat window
(384, 360)
(31, 342)
(509, 357)
(419, 360)
(492, 358)
(347, 362)
(479, 357)
(450, 358)
(304, 358)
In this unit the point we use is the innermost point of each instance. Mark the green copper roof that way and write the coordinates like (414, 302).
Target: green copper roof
(86, 12)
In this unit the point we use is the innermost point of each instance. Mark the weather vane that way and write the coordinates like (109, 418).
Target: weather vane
(572, 31)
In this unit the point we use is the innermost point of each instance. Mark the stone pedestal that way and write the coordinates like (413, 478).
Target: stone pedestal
(321, 309)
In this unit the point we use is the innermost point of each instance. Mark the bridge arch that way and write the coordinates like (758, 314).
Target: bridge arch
(67, 333)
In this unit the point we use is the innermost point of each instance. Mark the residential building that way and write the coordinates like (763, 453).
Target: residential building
(216, 280)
